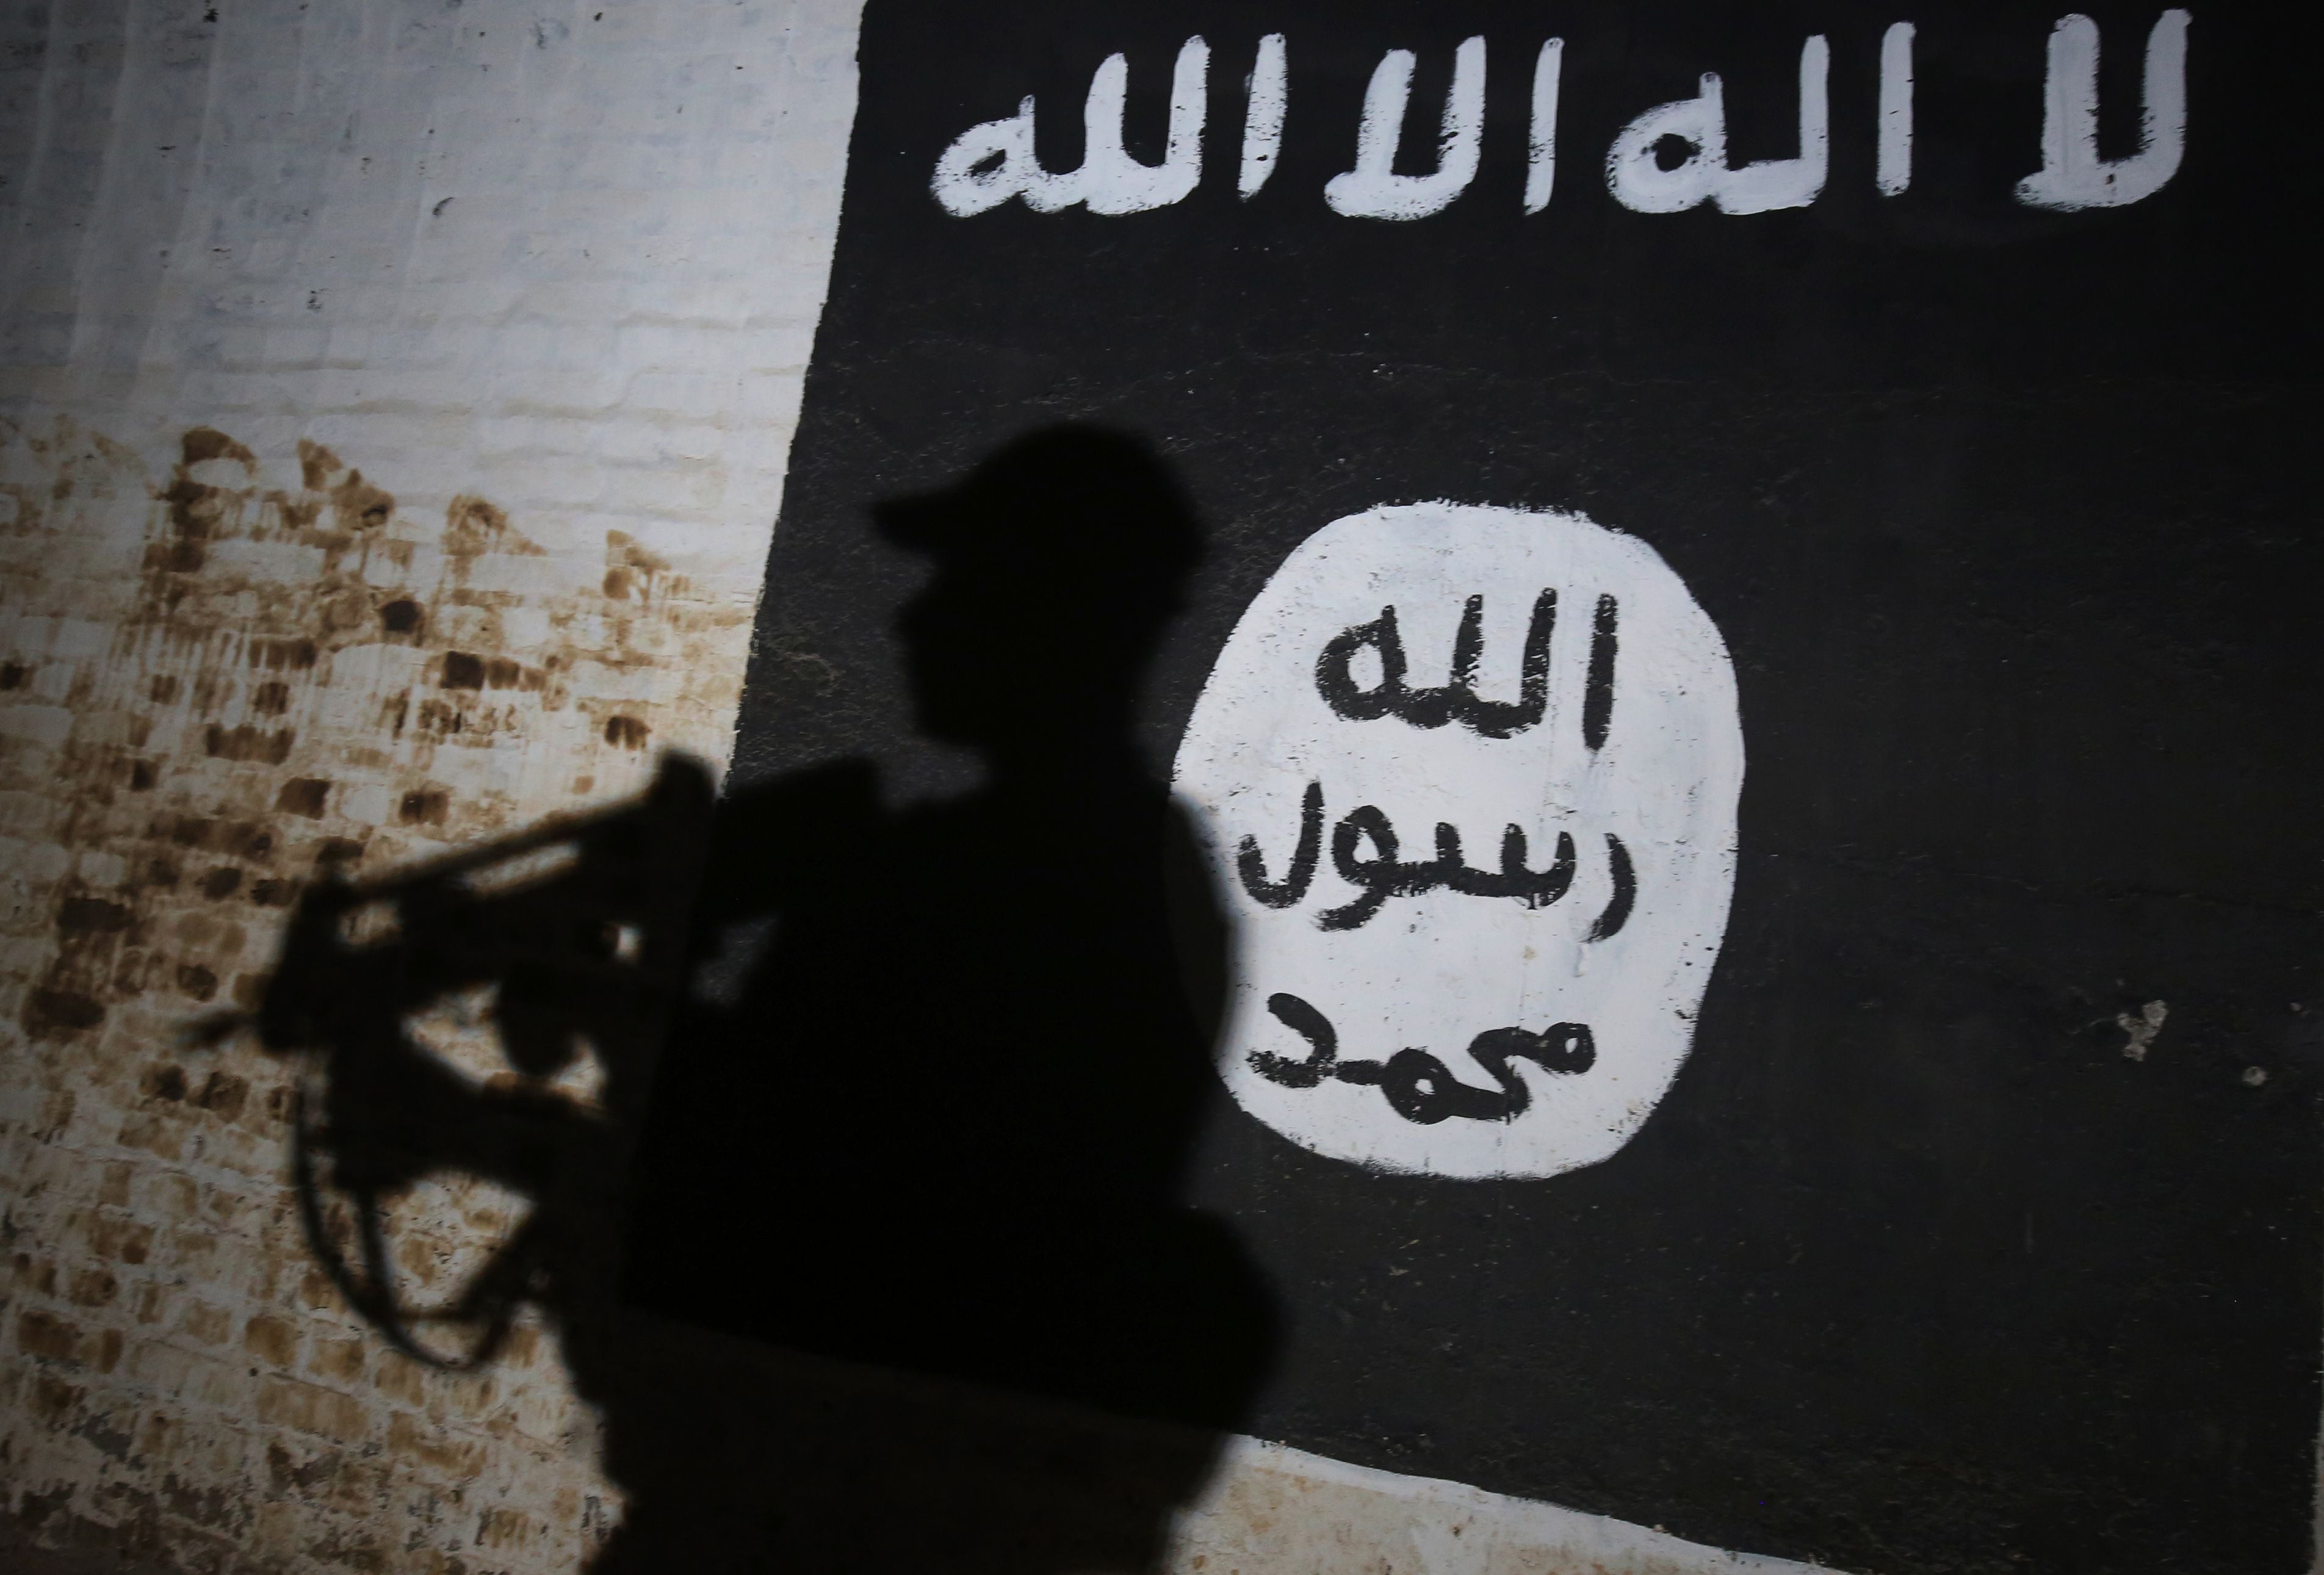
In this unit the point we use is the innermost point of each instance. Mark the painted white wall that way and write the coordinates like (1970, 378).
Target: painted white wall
(1276, 1509)
(569, 252)
(555, 263)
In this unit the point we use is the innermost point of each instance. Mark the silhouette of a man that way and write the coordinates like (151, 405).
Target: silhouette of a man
(936, 1121)
(942, 1125)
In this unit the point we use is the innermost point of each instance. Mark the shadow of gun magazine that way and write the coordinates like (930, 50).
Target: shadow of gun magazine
(577, 922)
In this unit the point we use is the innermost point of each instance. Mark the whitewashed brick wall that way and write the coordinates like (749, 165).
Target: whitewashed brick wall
(498, 309)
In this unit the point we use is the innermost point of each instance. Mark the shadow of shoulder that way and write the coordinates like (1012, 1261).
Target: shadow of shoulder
(739, 1456)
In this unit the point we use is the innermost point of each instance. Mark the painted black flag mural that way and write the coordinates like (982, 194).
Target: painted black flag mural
(1575, 747)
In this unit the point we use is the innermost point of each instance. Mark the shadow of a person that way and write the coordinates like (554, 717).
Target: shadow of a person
(936, 1117)
(909, 1284)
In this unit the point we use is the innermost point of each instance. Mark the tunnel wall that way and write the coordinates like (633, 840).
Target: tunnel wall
(399, 404)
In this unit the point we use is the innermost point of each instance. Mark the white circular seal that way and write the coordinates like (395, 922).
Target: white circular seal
(1468, 779)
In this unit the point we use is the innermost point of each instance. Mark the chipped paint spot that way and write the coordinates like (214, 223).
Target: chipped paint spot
(2142, 1028)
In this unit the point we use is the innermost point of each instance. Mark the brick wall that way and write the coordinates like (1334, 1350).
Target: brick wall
(398, 399)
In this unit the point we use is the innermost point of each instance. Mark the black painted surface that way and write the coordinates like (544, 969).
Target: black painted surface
(2007, 518)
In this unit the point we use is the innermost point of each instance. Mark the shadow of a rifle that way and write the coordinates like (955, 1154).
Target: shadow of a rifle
(574, 930)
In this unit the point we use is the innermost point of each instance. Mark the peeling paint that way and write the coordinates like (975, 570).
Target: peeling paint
(240, 685)
(2142, 1028)
(213, 689)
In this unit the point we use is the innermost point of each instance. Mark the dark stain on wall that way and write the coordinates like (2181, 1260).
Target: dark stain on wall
(305, 796)
(193, 665)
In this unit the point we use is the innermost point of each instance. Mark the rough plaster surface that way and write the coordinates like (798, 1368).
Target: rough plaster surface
(1272, 1508)
(395, 404)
